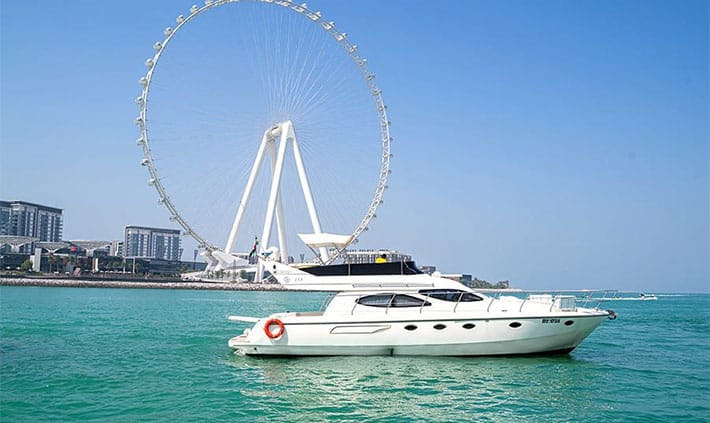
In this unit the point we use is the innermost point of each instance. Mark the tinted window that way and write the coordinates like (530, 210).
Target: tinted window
(453, 295)
(467, 297)
(401, 300)
(379, 300)
(391, 300)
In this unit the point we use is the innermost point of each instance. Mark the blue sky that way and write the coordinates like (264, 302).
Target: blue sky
(555, 144)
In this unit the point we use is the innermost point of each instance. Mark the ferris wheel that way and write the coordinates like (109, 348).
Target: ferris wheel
(237, 84)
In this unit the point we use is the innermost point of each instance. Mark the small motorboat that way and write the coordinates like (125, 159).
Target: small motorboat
(644, 297)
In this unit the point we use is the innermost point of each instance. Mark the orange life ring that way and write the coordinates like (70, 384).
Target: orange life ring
(267, 328)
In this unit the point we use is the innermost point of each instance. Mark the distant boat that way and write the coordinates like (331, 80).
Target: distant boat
(640, 297)
(644, 297)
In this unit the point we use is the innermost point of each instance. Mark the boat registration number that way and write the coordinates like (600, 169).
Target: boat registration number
(550, 320)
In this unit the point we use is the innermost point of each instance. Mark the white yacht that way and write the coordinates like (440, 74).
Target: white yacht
(414, 314)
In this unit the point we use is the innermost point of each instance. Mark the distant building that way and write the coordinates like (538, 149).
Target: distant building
(503, 284)
(459, 277)
(92, 248)
(369, 256)
(20, 218)
(147, 242)
(116, 249)
(427, 269)
(17, 244)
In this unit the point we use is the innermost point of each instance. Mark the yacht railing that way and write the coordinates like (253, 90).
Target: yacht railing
(604, 295)
(587, 298)
(327, 300)
(488, 309)
(561, 298)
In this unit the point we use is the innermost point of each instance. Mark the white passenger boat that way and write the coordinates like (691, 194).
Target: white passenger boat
(640, 297)
(415, 314)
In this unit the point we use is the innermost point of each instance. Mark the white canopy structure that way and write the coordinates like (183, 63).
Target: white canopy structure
(326, 240)
(15, 242)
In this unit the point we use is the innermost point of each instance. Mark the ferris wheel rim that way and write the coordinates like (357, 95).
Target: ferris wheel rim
(340, 37)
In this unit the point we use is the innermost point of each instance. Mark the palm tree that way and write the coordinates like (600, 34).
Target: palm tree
(52, 262)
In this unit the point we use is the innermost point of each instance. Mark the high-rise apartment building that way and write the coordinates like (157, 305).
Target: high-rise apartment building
(142, 241)
(20, 218)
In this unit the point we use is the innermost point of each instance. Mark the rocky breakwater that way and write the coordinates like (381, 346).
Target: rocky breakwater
(142, 284)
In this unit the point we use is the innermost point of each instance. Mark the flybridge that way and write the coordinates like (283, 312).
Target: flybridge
(396, 268)
(402, 275)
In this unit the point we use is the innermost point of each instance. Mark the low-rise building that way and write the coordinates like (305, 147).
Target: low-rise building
(427, 269)
(116, 249)
(459, 277)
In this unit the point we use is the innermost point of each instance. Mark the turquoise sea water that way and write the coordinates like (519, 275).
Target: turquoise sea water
(70, 354)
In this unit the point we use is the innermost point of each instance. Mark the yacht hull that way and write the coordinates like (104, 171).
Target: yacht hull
(459, 337)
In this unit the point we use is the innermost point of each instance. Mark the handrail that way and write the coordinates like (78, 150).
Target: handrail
(590, 298)
(327, 300)
(488, 310)
(606, 294)
(458, 301)
(523, 303)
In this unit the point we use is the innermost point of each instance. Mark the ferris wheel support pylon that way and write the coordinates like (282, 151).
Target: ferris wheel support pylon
(276, 140)
(277, 170)
(247, 193)
(280, 224)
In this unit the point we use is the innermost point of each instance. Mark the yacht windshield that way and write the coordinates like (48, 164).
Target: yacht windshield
(453, 295)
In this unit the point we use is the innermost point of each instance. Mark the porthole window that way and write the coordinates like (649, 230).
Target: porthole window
(411, 327)
(569, 323)
(468, 326)
(439, 326)
(515, 325)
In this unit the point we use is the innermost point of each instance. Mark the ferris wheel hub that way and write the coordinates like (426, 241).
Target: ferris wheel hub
(276, 130)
